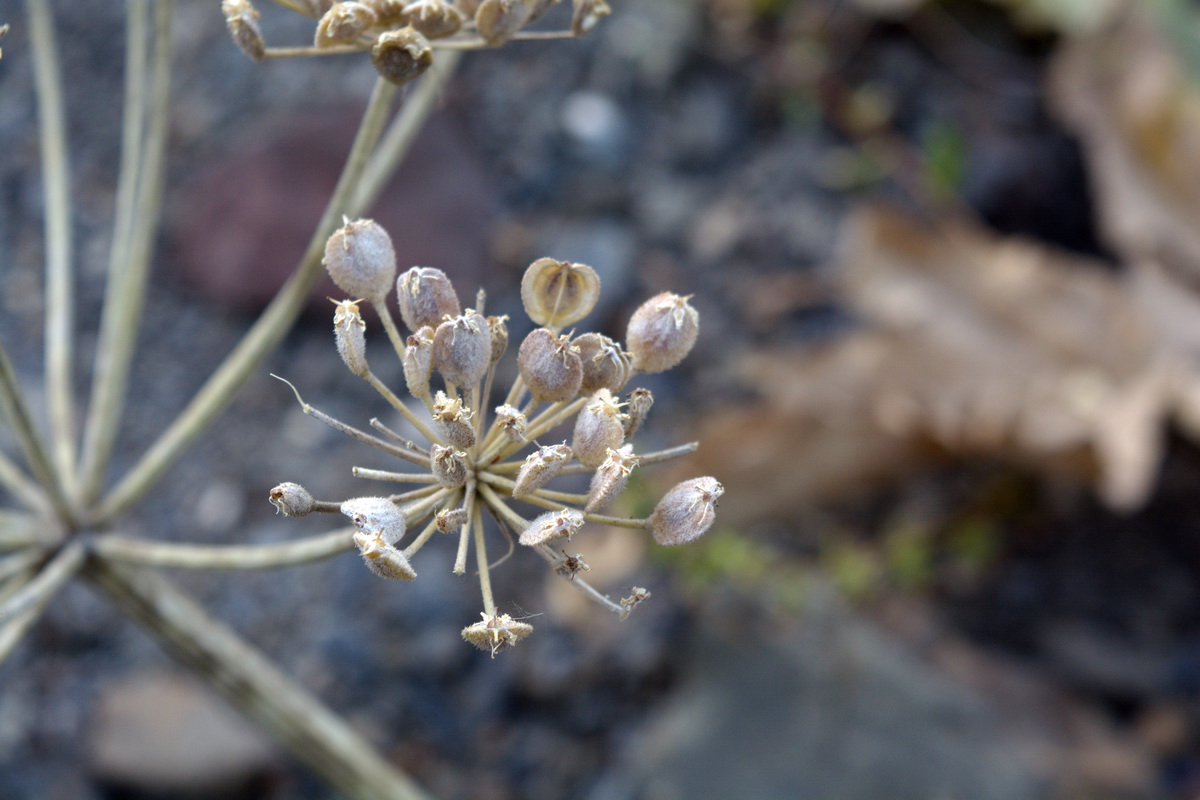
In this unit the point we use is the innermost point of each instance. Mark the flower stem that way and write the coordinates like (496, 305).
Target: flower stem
(233, 557)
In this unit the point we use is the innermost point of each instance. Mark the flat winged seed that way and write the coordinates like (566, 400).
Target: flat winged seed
(550, 526)
(449, 466)
(343, 23)
(498, 20)
(462, 348)
(685, 512)
(512, 423)
(401, 55)
(639, 403)
(661, 332)
(496, 633)
(291, 500)
(452, 519)
(540, 467)
(434, 18)
(599, 427)
(550, 366)
(376, 515)
(559, 293)
(605, 364)
(418, 362)
(349, 335)
(425, 296)
(360, 259)
(610, 478)
(382, 558)
(586, 14)
(242, 20)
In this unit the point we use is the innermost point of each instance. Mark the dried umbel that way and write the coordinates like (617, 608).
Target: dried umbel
(477, 465)
(360, 259)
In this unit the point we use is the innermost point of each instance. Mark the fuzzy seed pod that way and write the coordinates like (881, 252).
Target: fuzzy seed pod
(462, 349)
(418, 362)
(360, 259)
(661, 332)
(498, 20)
(376, 515)
(640, 401)
(605, 365)
(550, 526)
(343, 23)
(449, 466)
(599, 427)
(348, 333)
(382, 558)
(496, 633)
(685, 512)
(559, 293)
(401, 55)
(242, 20)
(499, 330)
(453, 519)
(435, 19)
(291, 500)
(586, 14)
(426, 296)
(512, 422)
(453, 421)
(610, 478)
(550, 366)
(540, 468)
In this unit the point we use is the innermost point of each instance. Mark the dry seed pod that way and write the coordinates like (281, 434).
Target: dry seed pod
(360, 259)
(661, 332)
(586, 14)
(499, 329)
(426, 296)
(599, 427)
(636, 596)
(571, 566)
(685, 512)
(348, 333)
(498, 20)
(610, 478)
(453, 519)
(453, 421)
(550, 366)
(401, 55)
(449, 466)
(550, 526)
(383, 559)
(435, 19)
(418, 362)
(462, 348)
(512, 422)
(605, 365)
(389, 13)
(343, 23)
(559, 293)
(640, 401)
(291, 500)
(242, 20)
(496, 633)
(376, 515)
(540, 467)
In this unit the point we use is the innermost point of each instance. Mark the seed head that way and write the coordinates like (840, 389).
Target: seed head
(512, 422)
(599, 427)
(462, 348)
(348, 333)
(559, 293)
(382, 558)
(291, 500)
(661, 332)
(401, 55)
(640, 401)
(376, 515)
(550, 366)
(498, 20)
(540, 468)
(496, 632)
(449, 466)
(418, 362)
(550, 526)
(389, 13)
(498, 326)
(686, 512)
(435, 19)
(448, 520)
(610, 478)
(360, 259)
(343, 23)
(242, 20)
(605, 364)
(426, 296)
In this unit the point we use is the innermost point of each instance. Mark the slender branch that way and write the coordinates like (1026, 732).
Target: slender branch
(16, 563)
(23, 490)
(485, 577)
(38, 591)
(540, 499)
(395, 477)
(398, 404)
(580, 585)
(415, 494)
(397, 438)
(420, 539)
(309, 50)
(252, 684)
(139, 195)
(460, 556)
(233, 557)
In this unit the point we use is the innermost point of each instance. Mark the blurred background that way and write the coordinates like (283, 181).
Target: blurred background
(946, 255)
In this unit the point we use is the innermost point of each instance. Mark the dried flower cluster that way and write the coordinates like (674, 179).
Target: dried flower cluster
(401, 35)
(472, 464)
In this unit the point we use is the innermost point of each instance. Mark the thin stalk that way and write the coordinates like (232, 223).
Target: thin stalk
(539, 499)
(53, 576)
(416, 494)
(271, 326)
(310, 50)
(657, 457)
(581, 586)
(139, 195)
(15, 564)
(56, 185)
(389, 325)
(460, 557)
(18, 484)
(398, 404)
(397, 438)
(252, 684)
(394, 477)
(420, 540)
(131, 550)
(485, 576)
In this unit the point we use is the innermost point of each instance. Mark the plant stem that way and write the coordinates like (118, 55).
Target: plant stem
(38, 591)
(485, 577)
(234, 557)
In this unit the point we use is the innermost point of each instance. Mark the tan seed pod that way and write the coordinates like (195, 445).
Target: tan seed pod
(376, 515)
(389, 13)
(342, 24)
(496, 633)
(436, 19)
(418, 362)
(605, 364)
(401, 55)
(550, 366)
(241, 18)
(661, 332)
(449, 466)
(382, 558)
(610, 478)
(360, 259)
(552, 525)
(685, 512)
(586, 14)
(291, 500)
(559, 293)
(426, 296)
(540, 467)
(640, 401)
(462, 348)
(349, 335)
(499, 329)
(453, 421)
(512, 422)
(599, 427)
(498, 20)
(452, 519)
